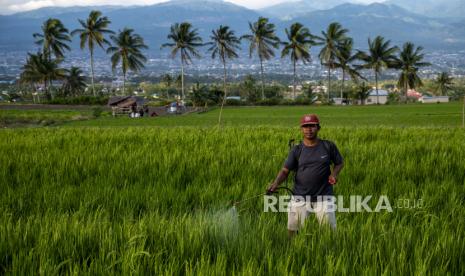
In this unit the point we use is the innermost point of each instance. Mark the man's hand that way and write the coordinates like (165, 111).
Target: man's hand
(332, 180)
(271, 188)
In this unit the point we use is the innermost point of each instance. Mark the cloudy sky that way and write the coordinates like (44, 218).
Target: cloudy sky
(12, 6)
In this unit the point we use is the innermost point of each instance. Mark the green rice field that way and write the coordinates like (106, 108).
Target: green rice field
(153, 196)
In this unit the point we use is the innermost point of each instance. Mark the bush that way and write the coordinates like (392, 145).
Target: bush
(81, 100)
(97, 112)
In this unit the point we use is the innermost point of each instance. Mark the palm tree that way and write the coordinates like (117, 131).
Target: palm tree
(380, 56)
(185, 40)
(92, 32)
(298, 47)
(362, 92)
(127, 50)
(39, 69)
(74, 82)
(224, 45)
(443, 83)
(410, 59)
(53, 39)
(330, 40)
(344, 58)
(263, 39)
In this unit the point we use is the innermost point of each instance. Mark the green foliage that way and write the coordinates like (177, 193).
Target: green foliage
(154, 201)
(80, 100)
(97, 111)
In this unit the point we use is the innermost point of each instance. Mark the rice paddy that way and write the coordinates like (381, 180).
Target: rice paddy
(106, 198)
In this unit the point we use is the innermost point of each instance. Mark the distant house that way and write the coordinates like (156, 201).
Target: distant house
(434, 99)
(125, 104)
(411, 93)
(382, 96)
(235, 98)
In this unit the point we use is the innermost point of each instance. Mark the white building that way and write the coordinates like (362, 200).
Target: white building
(382, 97)
(434, 99)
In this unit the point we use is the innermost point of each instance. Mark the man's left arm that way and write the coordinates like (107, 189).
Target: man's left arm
(338, 162)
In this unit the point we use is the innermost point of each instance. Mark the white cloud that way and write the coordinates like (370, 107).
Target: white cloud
(31, 5)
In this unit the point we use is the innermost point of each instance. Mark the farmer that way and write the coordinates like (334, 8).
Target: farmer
(314, 180)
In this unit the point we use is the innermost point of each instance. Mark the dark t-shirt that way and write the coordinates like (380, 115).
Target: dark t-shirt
(313, 168)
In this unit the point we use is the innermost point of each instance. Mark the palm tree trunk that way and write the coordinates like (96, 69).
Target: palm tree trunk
(224, 93)
(47, 95)
(182, 79)
(92, 70)
(405, 92)
(329, 82)
(124, 83)
(263, 81)
(342, 87)
(376, 84)
(293, 87)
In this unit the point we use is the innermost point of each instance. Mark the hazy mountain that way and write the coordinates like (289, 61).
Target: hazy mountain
(391, 21)
(433, 8)
(288, 10)
(153, 22)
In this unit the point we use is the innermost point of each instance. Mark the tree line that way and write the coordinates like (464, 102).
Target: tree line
(126, 50)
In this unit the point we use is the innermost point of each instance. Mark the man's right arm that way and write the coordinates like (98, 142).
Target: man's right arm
(282, 176)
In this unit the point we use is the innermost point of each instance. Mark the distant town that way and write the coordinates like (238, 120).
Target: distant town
(11, 64)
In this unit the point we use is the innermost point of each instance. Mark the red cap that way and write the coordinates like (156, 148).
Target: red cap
(309, 119)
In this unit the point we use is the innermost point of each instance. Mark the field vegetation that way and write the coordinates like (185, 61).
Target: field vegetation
(145, 200)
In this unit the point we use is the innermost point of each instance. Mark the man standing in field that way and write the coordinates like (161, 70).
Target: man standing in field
(313, 183)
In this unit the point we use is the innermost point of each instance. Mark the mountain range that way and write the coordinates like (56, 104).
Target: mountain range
(153, 22)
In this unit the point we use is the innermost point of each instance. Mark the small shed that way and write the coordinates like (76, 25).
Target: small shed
(126, 104)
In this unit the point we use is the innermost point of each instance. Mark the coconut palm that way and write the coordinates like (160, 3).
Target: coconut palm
(127, 49)
(74, 82)
(92, 33)
(380, 56)
(362, 92)
(298, 47)
(185, 40)
(410, 59)
(263, 39)
(39, 69)
(443, 83)
(330, 40)
(224, 44)
(344, 58)
(53, 39)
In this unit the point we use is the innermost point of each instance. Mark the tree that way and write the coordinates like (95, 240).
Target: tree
(443, 83)
(224, 45)
(263, 39)
(248, 89)
(298, 47)
(410, 59)
(39, 69)
(185, 40)
(127, 50)
(380, 56)
(53, 39)
(92, 32)
(74, 82)
(362, 92)
(330, 40)
(167, 80)
(344, 58)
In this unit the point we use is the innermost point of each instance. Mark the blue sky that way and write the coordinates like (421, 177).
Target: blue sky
(11, 6)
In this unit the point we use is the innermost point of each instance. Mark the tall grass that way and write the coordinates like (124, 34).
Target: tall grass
(153, 201)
